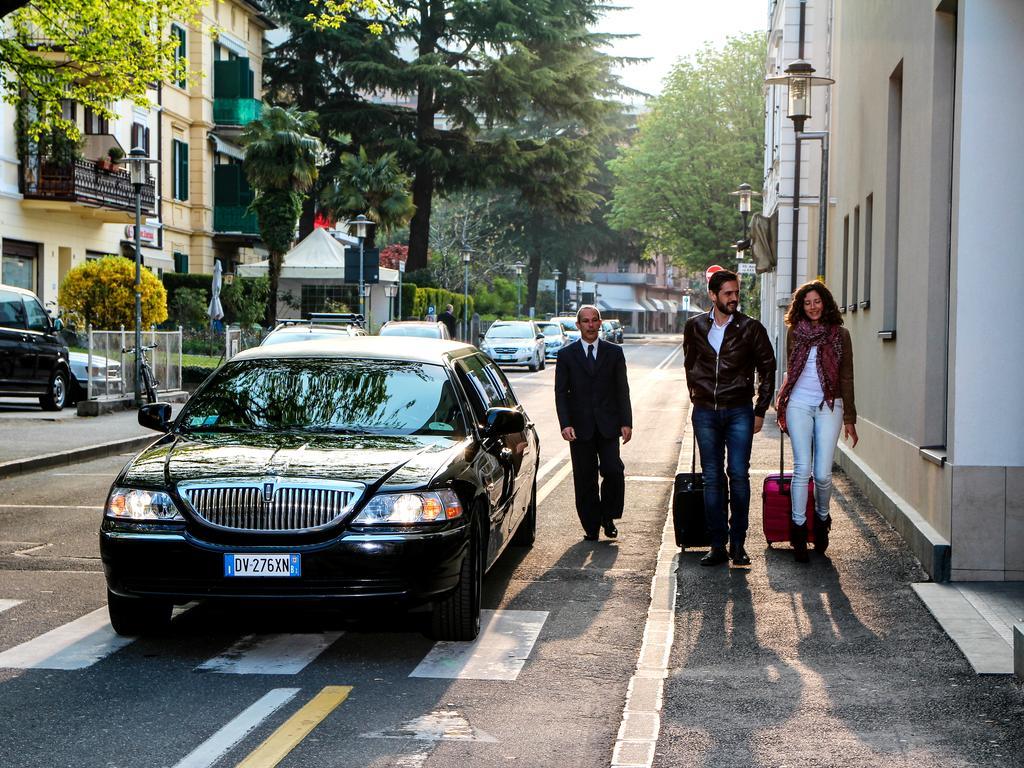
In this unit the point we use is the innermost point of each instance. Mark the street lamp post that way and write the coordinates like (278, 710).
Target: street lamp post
(579, 293)
(799, 78)
(467, 254)
(361, 226)
(744, 192)
(364, 297)
(556, 273)
(519, 288)
(137, 164)
(391, 290)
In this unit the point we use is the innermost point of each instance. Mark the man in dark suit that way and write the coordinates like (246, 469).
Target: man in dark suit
(450, 322)
(592, 400)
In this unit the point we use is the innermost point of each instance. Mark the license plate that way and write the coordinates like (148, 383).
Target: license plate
(262, 565)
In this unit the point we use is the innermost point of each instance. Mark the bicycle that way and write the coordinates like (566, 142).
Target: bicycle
(149, 382)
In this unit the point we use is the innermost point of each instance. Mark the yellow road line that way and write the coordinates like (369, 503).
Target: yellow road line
(296, 728)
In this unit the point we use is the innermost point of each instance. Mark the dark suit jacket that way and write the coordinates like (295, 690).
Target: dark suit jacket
(595, 402)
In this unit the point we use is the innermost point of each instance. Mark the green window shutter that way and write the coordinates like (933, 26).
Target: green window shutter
(226, 82)
(180, 159)
(181, 262)
(227, 184)
(245, 193)
(181, 52)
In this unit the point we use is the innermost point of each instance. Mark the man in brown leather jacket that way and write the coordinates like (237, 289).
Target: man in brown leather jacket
(722, 351)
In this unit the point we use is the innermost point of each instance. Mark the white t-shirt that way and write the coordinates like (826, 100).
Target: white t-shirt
(717, 333)
(807, 389)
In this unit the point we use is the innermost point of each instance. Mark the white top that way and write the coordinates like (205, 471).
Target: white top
(807, 389)
(717, 332)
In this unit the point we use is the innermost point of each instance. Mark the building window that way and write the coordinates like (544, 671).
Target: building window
(95, 123)
(181, 262)
(869, 211)
(179, 171)
(181, 51)
(329, 298)
(855, 277)
(893, 164)
(140, 137)
(845, 282)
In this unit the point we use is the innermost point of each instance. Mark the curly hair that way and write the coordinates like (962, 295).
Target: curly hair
(830, 312)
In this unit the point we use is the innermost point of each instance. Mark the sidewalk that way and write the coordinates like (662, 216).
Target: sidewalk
(836, 663)
(32, 439)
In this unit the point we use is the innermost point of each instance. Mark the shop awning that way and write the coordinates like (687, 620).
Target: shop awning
(659, 304)
(672, 306)
(648, 306)
(619, 305)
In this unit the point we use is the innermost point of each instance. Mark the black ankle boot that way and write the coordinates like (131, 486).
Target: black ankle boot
(798, 538)
(821, 531)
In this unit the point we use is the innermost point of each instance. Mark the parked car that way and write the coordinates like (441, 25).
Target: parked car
(105, 374)
(354, 469)
(611, 330)
(568, 326)
(420, 328)
(515, 342)
(554, 337)
(33, 359)
(319, 326)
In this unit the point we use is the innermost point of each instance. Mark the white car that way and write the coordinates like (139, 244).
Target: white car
(568, 326)
(515, 342)
(105, 375)
(554, 337)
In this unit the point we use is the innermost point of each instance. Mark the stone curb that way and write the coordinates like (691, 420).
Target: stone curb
(1018, 651)
(45, 461)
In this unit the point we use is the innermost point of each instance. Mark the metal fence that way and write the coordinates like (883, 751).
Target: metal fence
(111, 369)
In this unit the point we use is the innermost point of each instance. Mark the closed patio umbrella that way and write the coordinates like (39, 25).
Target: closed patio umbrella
(215, 310)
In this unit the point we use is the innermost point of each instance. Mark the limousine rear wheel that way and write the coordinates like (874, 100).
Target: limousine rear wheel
(134, 616)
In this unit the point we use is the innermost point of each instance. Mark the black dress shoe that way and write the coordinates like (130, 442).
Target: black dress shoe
(610, 530)
(738, 555)
(590, 537)
(716, 556)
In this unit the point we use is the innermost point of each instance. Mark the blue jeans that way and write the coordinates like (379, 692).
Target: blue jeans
(728, 431)
(813, 430)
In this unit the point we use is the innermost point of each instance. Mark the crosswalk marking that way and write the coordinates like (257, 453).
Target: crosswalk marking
(296, 728)
(499, 653)
(439, 725)
(215, 747)
(75, 645)
(280, 654)
(7, 604)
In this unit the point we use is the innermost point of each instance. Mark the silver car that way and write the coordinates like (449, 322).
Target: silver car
(515, 342)
(554, 338)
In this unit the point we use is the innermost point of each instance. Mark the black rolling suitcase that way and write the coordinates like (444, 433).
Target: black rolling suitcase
(688, 507)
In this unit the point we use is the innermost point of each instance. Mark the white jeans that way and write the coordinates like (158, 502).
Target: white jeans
(813, 429)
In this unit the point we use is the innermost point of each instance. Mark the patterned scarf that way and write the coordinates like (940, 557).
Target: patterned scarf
(829, 341)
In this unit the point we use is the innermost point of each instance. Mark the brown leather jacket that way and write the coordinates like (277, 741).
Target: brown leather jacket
(726, 380)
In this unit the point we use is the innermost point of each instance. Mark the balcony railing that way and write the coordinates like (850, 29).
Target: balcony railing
(234, 219)
(85, 182)
(236, 111)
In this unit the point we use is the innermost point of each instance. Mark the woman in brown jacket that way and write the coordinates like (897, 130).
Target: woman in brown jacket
(815, 403)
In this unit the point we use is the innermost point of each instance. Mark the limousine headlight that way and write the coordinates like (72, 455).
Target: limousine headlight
(134, 504)
(410, 508)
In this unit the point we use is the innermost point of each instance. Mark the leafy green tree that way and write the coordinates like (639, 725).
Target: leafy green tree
(456, 79)
(377, 188)
(281, 159)
(94, 52)
(188, 307)
(703, 137)
(101, 293)
(245, 299)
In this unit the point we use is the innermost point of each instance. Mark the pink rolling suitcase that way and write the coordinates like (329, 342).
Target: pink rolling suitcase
(776, 507)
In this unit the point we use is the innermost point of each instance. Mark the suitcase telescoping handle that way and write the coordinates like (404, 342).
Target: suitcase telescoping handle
(784, 482)
(693, 461)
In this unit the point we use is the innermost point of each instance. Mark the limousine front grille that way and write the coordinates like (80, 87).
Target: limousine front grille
(267, 507)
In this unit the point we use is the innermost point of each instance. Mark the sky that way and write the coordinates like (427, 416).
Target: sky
(668, 30)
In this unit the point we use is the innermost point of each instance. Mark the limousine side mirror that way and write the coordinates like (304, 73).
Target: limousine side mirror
(503, 421)
(155, 416)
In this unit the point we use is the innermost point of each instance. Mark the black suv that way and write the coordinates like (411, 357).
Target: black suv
(33, 360)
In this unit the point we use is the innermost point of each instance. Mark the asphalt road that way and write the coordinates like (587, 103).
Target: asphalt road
(545, 687)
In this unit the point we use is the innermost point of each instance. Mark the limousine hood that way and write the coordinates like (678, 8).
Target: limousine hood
(405, 460)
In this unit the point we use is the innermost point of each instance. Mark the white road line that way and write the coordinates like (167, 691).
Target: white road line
(637, 738)
(75, 645)
(439, 725)
(7, 604)
(215, 747)
(499, 652)
(559, 458)
(279, 654)
(554, 482)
